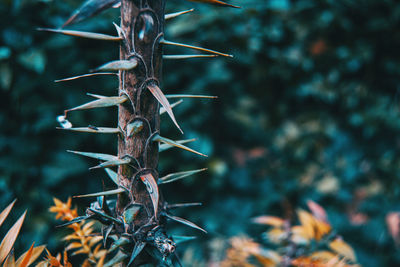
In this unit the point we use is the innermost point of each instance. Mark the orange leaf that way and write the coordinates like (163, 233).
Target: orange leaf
(6, 211)
(8, 241)
(25, 261)
(307, 222)
(35, 254)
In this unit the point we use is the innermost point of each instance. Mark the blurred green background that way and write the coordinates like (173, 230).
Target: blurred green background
(308, 109)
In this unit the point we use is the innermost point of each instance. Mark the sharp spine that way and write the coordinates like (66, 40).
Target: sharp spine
(99, 156)
(194, 47)
(164, 147)
(89, 35)
(112, 163)
(162, 109)
(102, 130)
(85, 75)
(101, 103)
(187, 56)
(104, 193)
(190, 96)
(185, 222)
(172, 177)
(159, 138)
(176, 14)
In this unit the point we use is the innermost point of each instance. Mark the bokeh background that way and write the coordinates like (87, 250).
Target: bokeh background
(308, 109)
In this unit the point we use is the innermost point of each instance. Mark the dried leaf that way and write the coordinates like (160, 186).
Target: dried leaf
(89, 9)
(307, 222)
(343, 249)
(73, 245)
(269, 220)
(8, 241)
(99, 156)
(104, 193)
(176, 14)
(152, 188)
(187, 56)
(118, 65)
(6, 211)
(159, 138)
(89, 35)
(186, 222)
(101, 103)
(159, 95)
(215, 2)
(172, 177)
(165, 42)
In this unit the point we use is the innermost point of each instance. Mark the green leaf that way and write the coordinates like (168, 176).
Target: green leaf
(172, 177)
(89, 35)
(195, 47)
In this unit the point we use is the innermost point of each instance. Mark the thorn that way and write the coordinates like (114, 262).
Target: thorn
(215, 2)
(194, 47)
(186, 56)
(176, 14)
(184, 221)
(99, 156)
(112, 163)
(172, 177)
(104, 193)
(159, 138)
(162, 109)
(101, 130)
(183, 205)
(190, 96)
(164, 147)
(85, 75)
(101, 103)
(89, 35)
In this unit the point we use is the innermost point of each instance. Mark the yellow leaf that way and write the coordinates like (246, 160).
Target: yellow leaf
(343, 249)
(94, 240)
(323, 255)
(307, 222)
(321, 229)
(8, 241)
(276, 235)
(87, 226)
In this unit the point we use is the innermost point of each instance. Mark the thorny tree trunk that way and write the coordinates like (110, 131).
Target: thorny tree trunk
(142, 23)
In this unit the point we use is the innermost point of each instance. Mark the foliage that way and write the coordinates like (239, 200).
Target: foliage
(6, 246)
(81, 241)
(307, 109)
(312, 243)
